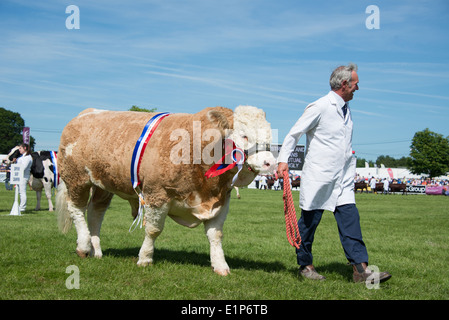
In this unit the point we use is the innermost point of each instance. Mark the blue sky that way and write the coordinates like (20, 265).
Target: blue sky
(183, 56)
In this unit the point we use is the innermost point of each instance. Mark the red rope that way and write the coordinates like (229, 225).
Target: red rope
(291, 223)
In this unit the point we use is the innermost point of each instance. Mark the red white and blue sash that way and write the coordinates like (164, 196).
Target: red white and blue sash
(141, 144)
(139, 150)
(54, 160)
(233, 157)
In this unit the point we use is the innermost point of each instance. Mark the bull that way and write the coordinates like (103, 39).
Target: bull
(360, 185)
(296, 183)
(397, 187)
(379, 187)
(96, 152)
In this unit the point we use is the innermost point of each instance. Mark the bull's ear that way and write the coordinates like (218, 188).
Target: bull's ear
(219, 118)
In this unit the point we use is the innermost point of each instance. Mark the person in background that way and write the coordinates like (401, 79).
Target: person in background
(372, 184)
(386, 186)
(25, 161)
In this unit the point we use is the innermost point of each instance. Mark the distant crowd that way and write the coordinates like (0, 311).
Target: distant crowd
(412, 181)
(265, 182)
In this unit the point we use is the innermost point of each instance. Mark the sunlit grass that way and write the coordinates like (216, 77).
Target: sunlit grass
(405, 235)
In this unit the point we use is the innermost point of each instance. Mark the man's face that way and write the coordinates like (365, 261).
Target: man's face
(348, 91)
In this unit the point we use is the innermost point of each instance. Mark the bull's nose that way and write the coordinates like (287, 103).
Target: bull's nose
(268, 166)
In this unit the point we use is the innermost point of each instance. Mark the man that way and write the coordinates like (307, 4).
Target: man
(327, 180)
(372, 184)
(386, 186)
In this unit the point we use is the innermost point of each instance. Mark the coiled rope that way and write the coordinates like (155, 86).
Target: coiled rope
(291, 222)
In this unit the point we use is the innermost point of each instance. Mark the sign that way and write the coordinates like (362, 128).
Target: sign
(437, 190)
(416, 189)
(16, 174)
(26, 135)
(296, 159)
(16, 178)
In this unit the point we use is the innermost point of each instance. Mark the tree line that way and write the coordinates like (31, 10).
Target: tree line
(388, 161)
(429, 154)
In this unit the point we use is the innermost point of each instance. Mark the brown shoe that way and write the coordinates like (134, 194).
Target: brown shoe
(309, 272)
(373, 276)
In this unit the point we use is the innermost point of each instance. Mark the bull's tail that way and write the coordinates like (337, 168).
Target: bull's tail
(62, 210)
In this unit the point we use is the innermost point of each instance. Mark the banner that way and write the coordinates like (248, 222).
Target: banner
(26, 135)
(416, 189)
(436, 190)
(296, 159)
(390, 173)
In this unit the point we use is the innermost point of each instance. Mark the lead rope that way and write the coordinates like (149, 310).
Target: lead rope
(291, 223)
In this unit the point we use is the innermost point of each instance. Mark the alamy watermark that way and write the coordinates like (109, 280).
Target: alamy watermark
(72, 281)
(373, 20)
(372, 282)
(73, 20)
(188, 145)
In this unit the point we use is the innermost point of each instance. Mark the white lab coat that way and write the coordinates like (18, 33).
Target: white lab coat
(25, 162)
(327, 178)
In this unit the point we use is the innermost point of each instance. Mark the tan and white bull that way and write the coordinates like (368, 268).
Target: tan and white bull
(95, 156)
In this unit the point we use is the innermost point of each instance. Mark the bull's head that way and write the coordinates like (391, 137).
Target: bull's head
(252, 133)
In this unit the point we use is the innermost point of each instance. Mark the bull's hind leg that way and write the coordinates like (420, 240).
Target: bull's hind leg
(154, 224)
(83, 245)
(76, 205)
(98, 204)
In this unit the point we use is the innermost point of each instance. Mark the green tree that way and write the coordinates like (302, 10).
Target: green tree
(429, 153)
(388, 161)
(11, 126)
(361, 163)
(391, 162)
(136, 108)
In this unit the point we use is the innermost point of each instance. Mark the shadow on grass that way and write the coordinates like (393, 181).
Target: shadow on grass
(197, 258)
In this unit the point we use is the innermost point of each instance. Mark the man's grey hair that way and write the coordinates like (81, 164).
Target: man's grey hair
(341, 74)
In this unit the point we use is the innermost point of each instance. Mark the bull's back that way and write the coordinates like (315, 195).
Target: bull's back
(97, 146)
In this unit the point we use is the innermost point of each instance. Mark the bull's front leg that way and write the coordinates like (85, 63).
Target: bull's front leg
(154, 224)
(214, 232)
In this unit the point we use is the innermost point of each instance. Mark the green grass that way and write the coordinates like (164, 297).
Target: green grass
(405, 235)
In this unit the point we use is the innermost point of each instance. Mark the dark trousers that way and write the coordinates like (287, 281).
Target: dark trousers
(348, 222)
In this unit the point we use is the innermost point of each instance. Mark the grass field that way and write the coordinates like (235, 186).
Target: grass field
(405, 235)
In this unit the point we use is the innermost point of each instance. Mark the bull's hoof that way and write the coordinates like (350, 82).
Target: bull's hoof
(82, 254)
(222, 272)
(144, 262)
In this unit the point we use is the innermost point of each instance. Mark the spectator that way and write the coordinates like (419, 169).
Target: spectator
(25, 161)
(386, 186)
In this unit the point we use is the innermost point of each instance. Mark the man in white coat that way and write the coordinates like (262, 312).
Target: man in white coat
(327, 180)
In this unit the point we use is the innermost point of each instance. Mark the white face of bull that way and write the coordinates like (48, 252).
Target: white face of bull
(252, 132)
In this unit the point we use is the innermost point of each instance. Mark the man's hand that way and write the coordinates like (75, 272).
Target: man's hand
(282, 166)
